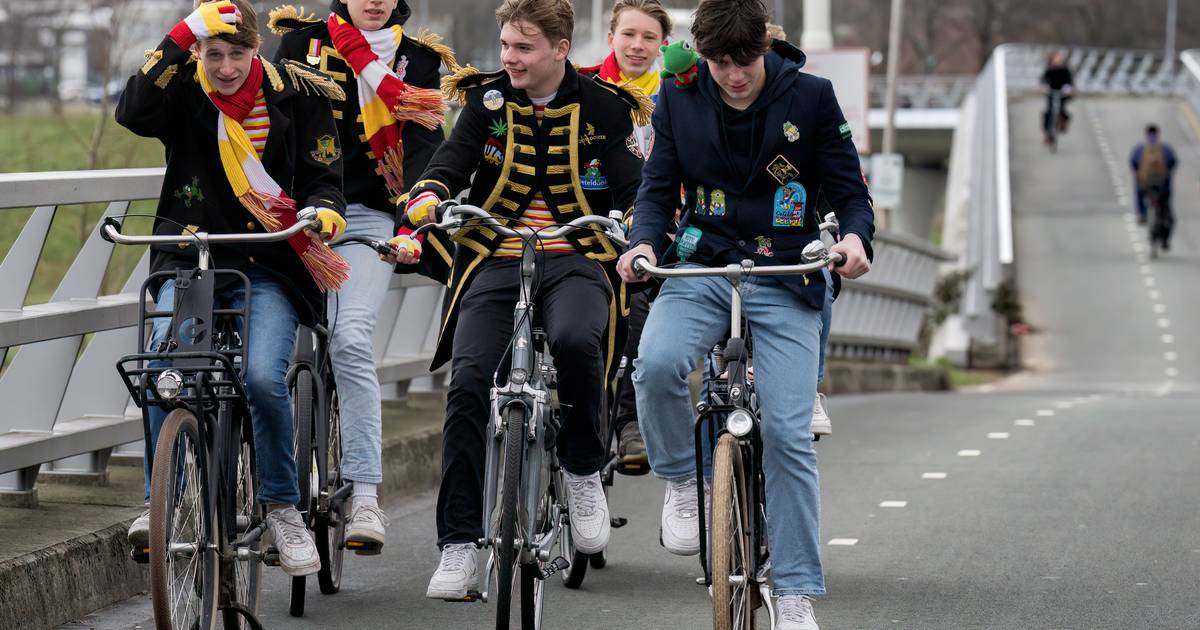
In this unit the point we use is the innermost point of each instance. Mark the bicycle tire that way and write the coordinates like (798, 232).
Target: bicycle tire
(180, 474)
(330, 529)
(246, 575)
(514, 441)
(533, 594)
(731, 604)
(302, 419)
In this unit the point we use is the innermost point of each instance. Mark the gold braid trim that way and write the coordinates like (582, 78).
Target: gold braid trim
(273, 75)
(288, 12)
(433, 41)
(152, 59)
(645, 107)
(308, 81)
(450, 89)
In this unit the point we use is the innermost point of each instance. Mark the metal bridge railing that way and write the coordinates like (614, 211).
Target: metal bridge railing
(65, 406)
(1190, 77)
(66, 409)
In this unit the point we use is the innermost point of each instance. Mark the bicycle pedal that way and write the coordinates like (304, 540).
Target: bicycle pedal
(618, 521)
(271, 557)
(558, 564)
(140, 555)
(471, 596)
(633, 469)
(364, 548)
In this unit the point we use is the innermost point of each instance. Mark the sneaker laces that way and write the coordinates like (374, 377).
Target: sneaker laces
(585, 501)
(795, 609)
(292, 533)
(683, 496)
(370, 512)
(455, 557)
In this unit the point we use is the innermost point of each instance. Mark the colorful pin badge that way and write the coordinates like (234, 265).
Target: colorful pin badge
(790, 132)
(687, 242)
(493, 100)
(718, 202)
(593, 178)
(790, 200)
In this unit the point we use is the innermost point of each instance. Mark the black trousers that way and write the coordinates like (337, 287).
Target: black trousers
(639, 308)
(573, 295)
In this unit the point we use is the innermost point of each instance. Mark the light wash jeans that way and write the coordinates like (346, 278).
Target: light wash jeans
(352, 314)
(273, 327)
(786, 345)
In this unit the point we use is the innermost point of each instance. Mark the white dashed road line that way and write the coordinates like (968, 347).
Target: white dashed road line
(970, 452)
(933, 475)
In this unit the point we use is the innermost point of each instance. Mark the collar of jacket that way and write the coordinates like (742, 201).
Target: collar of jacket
(399, 15)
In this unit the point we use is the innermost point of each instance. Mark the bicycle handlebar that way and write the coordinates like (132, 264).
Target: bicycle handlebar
(111, 232)
(815, 254)
(458, 216)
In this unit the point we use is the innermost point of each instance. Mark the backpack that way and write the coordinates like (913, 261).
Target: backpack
(1152, 171)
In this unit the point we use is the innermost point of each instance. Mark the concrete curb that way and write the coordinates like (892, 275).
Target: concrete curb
(854, 377)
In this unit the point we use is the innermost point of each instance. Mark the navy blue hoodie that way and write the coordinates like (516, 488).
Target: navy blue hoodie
(751, 179)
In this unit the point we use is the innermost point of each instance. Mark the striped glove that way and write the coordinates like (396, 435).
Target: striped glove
(420, 209)
(332, 223)
(209, 19)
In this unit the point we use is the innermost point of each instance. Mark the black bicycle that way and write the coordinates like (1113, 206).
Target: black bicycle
(205, 552)
(739, 571)
(1162, 220)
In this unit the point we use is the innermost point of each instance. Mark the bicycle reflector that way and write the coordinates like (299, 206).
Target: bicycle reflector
(739, 422)
(169, 384)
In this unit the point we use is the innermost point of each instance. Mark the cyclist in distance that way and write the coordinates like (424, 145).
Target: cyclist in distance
(636, 30)
(752, 140)
(1153, 163)
(1057, 77)
(545, 145)
(347, 45)
(243, 140)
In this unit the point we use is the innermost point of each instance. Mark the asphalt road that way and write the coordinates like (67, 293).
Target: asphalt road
(1064, 497)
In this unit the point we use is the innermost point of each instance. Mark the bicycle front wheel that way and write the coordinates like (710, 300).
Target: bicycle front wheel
(302, 401)
(506, 556)
(183, 561)
(732, 581)
(246, 573)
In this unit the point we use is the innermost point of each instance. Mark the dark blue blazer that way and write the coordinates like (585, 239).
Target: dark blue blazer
(806, 153)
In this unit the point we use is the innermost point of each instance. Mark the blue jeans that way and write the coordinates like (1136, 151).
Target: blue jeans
(352, 314)
(786, 345)
(273, 326)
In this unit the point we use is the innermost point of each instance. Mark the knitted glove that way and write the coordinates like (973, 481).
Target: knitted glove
(332, 223)
(405, 243)
(420, 209)
(209, 19)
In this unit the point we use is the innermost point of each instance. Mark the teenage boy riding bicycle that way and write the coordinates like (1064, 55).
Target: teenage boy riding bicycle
(357, 41)
(546, 145)
(244, 145)
(753, 141)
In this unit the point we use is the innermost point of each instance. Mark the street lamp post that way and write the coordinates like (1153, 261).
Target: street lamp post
(1169, 52)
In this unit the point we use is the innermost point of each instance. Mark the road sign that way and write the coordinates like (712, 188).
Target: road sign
(887, 179)
(849, 70)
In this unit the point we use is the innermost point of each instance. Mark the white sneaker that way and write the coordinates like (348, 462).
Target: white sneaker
(795, 613)
(588, 510)
(297, 551)
(821, 424)
(366, 529)
(455, 574)
(680, 524)
(139, 531)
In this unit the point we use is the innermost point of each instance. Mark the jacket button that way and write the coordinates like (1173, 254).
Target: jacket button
(741, 243)
(250, 225)
(251, 259)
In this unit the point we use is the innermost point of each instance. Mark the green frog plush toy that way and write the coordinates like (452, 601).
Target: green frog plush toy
(679, 61)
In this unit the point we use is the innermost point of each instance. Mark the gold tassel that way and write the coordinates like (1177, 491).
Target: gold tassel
(450, 89)
(391, 168)
(272, 75)
(433, 41)
(308, 81)
(644, 109)
(288, 12)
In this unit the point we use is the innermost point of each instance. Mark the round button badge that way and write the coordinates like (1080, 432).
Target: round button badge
(493, 100)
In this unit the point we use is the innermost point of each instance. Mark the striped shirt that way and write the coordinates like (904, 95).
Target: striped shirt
(536, 216)
(258, 124)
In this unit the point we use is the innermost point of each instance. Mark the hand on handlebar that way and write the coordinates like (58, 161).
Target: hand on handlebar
(420, 210)
(406, 250)
(854, 261)
(625, 264)
(330, 224)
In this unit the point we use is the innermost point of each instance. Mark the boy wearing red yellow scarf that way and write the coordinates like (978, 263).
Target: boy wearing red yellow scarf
(247, 143)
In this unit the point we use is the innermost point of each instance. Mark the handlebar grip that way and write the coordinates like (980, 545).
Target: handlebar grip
(110, 221)
(839, 259)
(639, 265)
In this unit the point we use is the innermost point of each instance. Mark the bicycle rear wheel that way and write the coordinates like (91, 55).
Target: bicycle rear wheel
(245, 574)
(183, 561)
(506, 557)
(330, 529)
(302, 402)
(732, 580)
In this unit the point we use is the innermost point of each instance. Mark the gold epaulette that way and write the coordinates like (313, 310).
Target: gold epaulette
(641, 108)
(433, 41)
(307, 80)
(272, 73)
(455, 86)
(288, 17)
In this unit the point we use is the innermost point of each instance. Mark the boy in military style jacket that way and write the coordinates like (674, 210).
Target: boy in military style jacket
(379, 168)
(545, 145)
(753, 141)
(244, 149)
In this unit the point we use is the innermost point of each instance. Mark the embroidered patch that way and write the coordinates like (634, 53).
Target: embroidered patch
(631, 143)
(152, 59)
(687, 242)
(589, 136)
(782, 170)
(790, 132)
(593, 178)
(499, 128)
(164, 79)
(493, 100)
(718, 203)
(313, 57)
(402, 67)
(764, 246)
(190, 192)
(844, 130)
(327, 151)
(493, 151)
(790, 200)
(701, 201)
